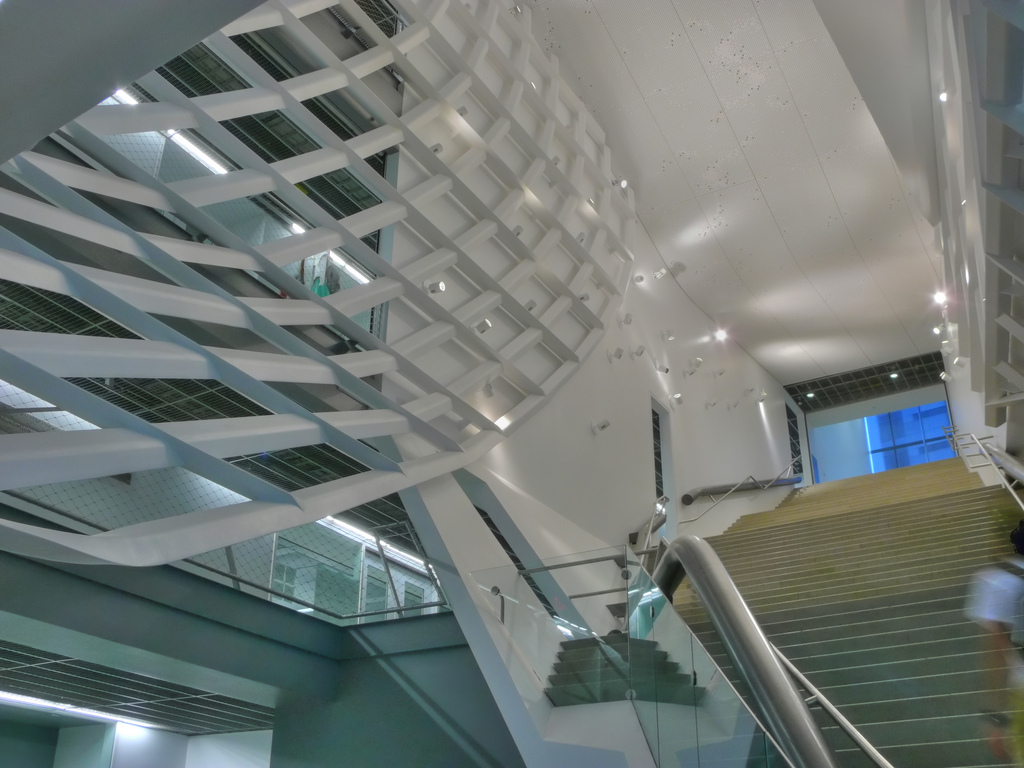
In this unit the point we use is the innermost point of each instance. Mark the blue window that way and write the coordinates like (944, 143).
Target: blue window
(911, 436)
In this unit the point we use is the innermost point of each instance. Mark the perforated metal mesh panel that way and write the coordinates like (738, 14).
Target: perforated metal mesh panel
(63, 679)
(866, 383)
(23, 308)
(302, 467)
(161, 400)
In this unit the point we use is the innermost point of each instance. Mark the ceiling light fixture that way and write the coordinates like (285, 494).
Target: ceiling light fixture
(488, 390)
(940, 297)
(945, 376)
(621, 183)
(762, 396)
(668, 335)
(530, 305)
(638, 278)
(894, 375)
(434, 286)
(943, 96)
(959, 362)
(483, 325)
(615, 354)
(662, 369)
(660, 274)
(626, 319)
(638, 352)
(936, 330)
(721, 335)
(677, 397)
(600, 426)
(810, 394)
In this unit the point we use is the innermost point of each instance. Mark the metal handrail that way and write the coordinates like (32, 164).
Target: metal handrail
(748, 479)
(995, 456)
(819, 699)
(782, 706)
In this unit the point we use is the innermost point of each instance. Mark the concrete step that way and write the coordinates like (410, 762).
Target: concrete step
(680, 691)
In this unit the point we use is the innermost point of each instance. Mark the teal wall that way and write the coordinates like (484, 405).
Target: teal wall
(428, 709)
(27, 746)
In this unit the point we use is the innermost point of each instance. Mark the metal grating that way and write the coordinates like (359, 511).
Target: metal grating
(200, 72)
(793, 427)
(867, 383)
(23, 308)
(165, 400)
(383, 15)
(66, 680)
(292, 469)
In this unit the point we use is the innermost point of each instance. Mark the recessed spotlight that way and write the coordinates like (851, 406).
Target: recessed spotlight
(963, 202)
(620, 183)
(894, 375)
(943, 96)
(677, 397)
(721, 335)
(936, 330)
(945, 376)
(810, 394)
(940, 297)
(434, 286)
(959, 362)
(638, 278)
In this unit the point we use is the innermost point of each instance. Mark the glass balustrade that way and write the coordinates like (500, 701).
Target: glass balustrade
(592, 627)
(689, 712)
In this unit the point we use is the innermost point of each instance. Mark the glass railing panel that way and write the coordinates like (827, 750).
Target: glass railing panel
(691, 714)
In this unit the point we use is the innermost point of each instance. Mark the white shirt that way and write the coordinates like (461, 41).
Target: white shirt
(995, 595)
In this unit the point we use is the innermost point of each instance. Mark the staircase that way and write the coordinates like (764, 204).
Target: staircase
(861, 584)
(595, 669)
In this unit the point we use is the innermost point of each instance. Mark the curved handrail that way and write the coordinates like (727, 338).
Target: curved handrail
(783, 708)
(866, 747)
(752, 483)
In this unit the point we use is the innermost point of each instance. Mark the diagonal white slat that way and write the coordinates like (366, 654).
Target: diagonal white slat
(244, 435)
(65, 356)
(219, 188)
(289, 311)
(360, 298)
(368, 363)
(40, 458)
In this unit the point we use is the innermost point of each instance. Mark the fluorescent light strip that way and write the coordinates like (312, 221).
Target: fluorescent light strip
(190, 147)
(354, 273)
(32, 701)
(391, 552)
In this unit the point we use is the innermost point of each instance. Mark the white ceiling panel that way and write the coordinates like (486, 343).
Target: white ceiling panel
(696, 128)
(805, 210)
(828, 100)
(788, 22)
(763, 116)
(725, 33)
(800, 240)
(588, 55)
(652, 42)
(660, 185)
(745, 228)
(870, 198)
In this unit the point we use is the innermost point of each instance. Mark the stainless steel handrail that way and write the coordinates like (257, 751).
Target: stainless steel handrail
(997, 457)
(759, 485)
(784, 710)
(866, 747)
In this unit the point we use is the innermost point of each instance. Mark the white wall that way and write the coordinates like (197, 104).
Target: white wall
(84, 746)
(136, 747)
(720, 433)
(230, 750)
(840, 450)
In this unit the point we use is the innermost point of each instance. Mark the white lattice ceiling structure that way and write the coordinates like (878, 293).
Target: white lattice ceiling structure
(503, 193)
